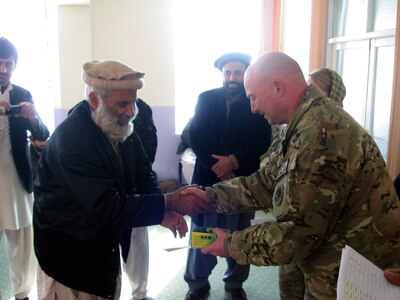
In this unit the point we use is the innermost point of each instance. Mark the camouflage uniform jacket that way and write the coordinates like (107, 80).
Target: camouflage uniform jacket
(332, 189)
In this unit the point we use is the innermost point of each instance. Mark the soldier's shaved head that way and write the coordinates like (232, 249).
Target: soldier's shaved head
(275, 84)
(276, 64)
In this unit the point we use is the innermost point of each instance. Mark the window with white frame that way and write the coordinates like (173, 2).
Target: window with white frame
(361, 44)
(204, 30)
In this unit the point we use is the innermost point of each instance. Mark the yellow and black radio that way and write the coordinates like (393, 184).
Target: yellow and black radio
(202, 237)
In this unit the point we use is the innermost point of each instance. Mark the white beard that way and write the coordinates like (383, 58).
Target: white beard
(108, 123)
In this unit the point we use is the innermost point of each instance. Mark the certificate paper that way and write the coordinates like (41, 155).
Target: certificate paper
(360, 279)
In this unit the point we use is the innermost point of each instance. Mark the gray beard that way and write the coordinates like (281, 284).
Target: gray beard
(108, 124)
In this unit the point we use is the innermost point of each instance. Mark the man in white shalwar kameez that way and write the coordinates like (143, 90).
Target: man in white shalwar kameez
(17, 115)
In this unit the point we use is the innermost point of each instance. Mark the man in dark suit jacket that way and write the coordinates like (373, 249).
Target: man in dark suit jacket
(17, 115)
(228, 140)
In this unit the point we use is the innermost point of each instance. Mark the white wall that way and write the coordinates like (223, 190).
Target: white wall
(75, 40)
(136, 32)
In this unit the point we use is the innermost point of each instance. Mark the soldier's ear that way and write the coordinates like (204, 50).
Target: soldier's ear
(278, 87)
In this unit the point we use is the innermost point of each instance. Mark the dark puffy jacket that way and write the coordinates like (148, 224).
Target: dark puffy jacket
(85, 199)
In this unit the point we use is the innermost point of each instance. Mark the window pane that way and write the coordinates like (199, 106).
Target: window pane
(349, 17)
(385, 14)
(352, 64)
(383, 97)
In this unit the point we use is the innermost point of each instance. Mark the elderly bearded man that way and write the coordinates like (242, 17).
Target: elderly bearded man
(90, 175)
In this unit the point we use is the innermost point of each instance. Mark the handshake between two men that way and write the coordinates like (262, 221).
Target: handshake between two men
(189, 200)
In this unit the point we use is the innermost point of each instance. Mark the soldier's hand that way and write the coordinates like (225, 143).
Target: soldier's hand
(217, 248)
(194, 190)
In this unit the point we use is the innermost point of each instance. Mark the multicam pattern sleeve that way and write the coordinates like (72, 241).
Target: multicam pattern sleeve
(243, 193)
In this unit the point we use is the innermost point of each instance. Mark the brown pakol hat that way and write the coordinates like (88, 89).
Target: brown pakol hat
(111, 75)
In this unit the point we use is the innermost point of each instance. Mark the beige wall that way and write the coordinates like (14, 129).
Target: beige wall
(74, 27)
(136, 32)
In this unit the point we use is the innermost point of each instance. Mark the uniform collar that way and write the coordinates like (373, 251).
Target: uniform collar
(311, 95)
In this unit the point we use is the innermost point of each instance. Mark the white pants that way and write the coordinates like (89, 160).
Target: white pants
(137, 264)
(21, 259)
(50, 289)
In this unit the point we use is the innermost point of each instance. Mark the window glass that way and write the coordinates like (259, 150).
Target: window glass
(352, 64)
(385, 14)
(382, 97)
(366, 61)
(349, 17)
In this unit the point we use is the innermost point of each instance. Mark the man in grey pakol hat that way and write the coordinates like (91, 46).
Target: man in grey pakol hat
(93, 177)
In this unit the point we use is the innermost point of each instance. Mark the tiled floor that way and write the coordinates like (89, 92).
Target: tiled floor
(166, 273)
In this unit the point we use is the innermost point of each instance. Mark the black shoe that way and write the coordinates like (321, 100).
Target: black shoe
(237, 294)
(197, 294)
(26, 298)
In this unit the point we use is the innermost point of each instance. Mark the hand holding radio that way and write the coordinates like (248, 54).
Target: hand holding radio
(217, 248)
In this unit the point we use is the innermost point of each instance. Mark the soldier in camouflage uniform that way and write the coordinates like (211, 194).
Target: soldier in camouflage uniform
(332, 187)
(291, 281)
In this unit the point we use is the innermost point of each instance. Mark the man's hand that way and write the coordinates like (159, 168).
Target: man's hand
(393, 276)
(175, 222)
(223, 166)
(28, 111)
(187, 203)
(217, 248)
